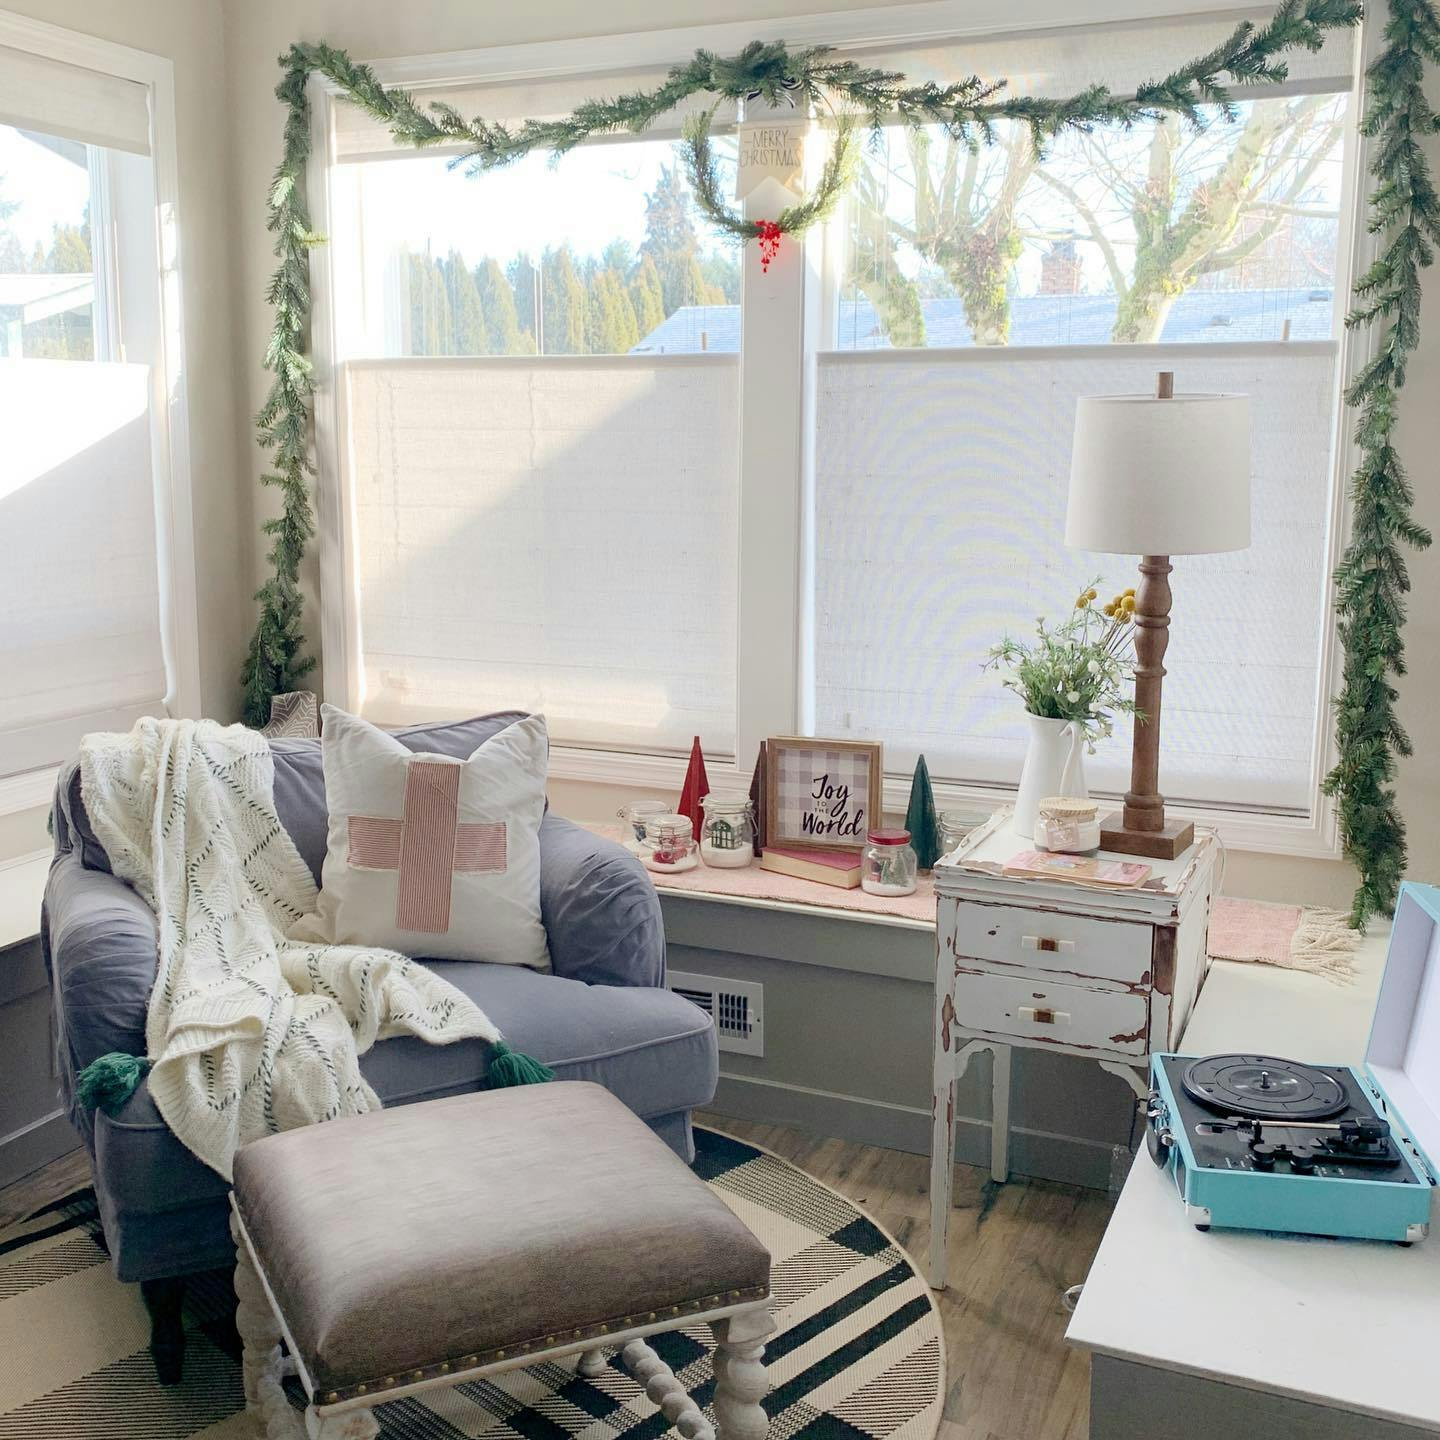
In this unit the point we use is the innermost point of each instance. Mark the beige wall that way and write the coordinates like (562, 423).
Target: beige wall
(190, 33)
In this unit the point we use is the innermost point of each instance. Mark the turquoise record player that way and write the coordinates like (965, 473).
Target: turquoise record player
(1256, 1142)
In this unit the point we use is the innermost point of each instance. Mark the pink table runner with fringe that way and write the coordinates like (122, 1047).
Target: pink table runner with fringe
(753, 883)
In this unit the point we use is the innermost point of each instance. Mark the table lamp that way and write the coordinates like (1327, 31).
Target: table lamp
(1157, 476)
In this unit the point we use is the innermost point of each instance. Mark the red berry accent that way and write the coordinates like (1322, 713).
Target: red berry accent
(768, 234)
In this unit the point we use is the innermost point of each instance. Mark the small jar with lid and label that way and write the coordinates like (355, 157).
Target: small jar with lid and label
(1067, 826)
(637, 815)
(727, 834)
(889, 864)
(669, 844)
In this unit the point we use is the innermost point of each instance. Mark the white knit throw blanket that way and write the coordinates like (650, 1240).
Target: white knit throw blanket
(248, 1032)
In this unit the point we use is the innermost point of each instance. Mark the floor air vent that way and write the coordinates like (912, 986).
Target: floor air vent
(736, 1006)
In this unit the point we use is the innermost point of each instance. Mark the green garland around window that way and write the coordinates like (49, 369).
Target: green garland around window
(1372, 578)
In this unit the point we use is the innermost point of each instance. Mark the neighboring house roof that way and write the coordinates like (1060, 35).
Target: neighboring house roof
(37, 297)
(1198, 315)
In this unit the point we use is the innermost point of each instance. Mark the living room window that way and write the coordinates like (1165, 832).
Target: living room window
(92, 454)
(540, 370)
(981, 295)
(945, 322)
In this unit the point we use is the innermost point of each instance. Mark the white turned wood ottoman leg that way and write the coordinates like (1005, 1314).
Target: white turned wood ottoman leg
(665, 1390)
(262, 1363)
(740, 1379)
(591, 1364)
(352, 1425)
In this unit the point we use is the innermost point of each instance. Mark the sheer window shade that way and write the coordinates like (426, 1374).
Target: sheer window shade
(939, 515)
(555, 534)
(80, 642)
(37, 93)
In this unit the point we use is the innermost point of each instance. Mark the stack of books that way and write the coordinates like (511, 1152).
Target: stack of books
(826, 867)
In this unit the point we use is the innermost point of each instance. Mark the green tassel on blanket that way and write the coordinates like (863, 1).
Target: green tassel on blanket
(107, 1083)
(513, 1067)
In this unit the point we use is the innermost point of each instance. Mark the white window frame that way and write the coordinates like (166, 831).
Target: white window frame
(170, 424)
(780, 312)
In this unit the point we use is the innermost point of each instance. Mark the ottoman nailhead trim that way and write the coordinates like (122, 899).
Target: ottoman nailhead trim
(602, 1327)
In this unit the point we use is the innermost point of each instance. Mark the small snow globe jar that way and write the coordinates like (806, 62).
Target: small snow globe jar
(727, 834)
(889, 864)
(636, 816)
(669, 844)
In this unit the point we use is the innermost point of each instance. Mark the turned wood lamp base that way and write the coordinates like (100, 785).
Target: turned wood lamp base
(1170, 842)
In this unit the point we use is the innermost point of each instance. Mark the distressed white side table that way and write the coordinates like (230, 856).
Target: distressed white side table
(1090, 970)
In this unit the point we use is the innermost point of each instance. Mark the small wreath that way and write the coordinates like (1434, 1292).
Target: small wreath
(794, 219)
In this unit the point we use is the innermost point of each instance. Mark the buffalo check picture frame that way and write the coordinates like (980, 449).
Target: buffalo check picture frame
(822, 794)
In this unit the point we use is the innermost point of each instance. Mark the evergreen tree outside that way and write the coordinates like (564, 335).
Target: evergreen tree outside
(565, 304)
(647, 299)
(521, 272)
(672, 243)
(503, 332)
(468, 332)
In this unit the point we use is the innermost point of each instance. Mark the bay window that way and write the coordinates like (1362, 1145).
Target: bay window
(98, 613)
(561, 428)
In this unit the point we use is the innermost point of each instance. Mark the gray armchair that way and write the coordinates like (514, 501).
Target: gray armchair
(600, 1015)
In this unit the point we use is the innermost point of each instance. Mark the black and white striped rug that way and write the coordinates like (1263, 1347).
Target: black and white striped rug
(858, 1354)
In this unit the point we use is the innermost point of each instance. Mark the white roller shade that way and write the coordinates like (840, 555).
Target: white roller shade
(359, 136)
(940, 496)
(72, 102)
(80, 637)
(1122, 56)
(554, 534)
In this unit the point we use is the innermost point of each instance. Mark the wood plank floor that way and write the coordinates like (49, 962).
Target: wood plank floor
(1013, 1249)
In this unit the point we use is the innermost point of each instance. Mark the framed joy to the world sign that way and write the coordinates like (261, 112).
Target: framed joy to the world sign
(823, 793)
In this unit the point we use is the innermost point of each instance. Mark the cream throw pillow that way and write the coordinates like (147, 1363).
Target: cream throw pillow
(430, 855)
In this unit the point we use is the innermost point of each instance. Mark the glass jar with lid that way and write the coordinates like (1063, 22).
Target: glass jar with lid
(727, 834)
(669, 844)
(636, 816)
(889, 864)
(955, 825)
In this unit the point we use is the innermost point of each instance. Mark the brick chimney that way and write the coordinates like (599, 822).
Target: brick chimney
(1060, 269)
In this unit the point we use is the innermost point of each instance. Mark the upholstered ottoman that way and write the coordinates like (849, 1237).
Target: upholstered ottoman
(436, 1243)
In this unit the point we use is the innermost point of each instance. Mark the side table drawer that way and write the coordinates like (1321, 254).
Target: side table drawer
(1052, 940)
(1115, 1020)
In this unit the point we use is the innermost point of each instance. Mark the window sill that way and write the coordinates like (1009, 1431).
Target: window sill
(1312, 837)
(28, 791)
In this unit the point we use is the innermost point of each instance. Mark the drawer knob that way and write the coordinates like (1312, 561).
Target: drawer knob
(1043, 1015)
(1047, 943)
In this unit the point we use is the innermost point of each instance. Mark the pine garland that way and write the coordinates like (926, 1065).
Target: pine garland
(277, 662)
(1372, 579)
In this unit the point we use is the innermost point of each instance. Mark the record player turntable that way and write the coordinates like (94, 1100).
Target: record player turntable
(1257, 1142)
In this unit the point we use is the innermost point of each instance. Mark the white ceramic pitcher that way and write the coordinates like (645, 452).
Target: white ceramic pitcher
(1054, 765)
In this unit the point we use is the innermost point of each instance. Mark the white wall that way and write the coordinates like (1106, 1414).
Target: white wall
(191, 34)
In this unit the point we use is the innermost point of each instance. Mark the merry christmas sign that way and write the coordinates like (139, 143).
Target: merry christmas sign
(770, 150)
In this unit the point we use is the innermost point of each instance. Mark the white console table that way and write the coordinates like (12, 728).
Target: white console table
(1096, 971)
(1236, 1333)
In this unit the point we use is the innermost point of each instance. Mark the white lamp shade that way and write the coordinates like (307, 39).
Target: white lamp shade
(1160, 477)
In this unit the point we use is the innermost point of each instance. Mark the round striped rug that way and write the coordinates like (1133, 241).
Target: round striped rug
(858, 1352)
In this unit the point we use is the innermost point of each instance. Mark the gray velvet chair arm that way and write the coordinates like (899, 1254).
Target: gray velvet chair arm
(600, 909)
(99, 940)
